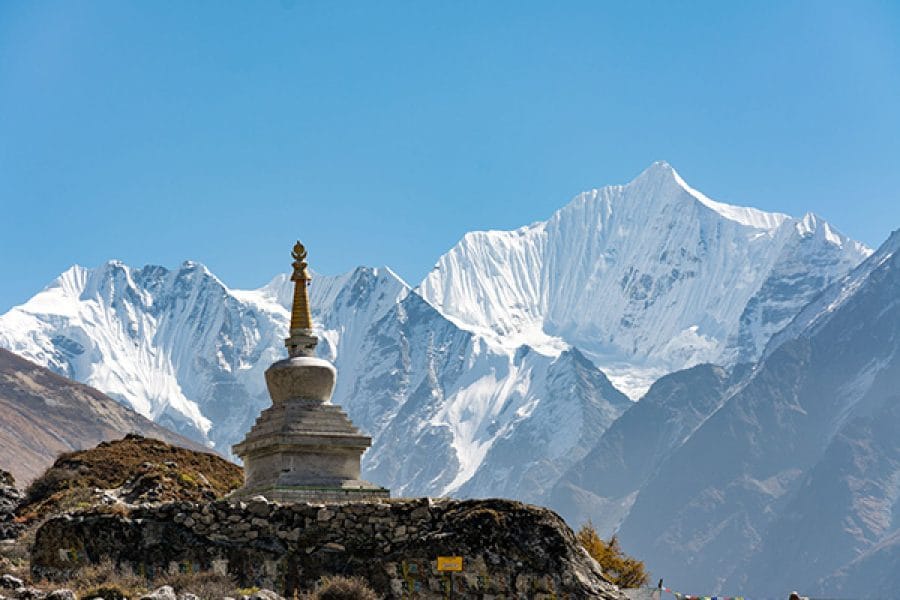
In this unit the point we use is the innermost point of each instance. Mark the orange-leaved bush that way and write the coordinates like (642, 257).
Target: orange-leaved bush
(621, 569)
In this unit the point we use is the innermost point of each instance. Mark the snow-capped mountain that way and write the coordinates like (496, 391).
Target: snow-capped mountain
(172, 344)
(795, 481)
(483, 381)
(646, 278)
(182, 348)
(439, 401)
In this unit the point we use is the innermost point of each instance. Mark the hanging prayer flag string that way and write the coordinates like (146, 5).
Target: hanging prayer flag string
(680, 596)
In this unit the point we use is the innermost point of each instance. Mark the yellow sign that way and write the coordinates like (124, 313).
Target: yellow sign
(449, 563)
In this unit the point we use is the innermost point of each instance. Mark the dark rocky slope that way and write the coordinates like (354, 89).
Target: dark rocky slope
(602, 486)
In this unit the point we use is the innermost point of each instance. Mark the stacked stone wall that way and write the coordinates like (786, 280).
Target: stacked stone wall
(509, 550)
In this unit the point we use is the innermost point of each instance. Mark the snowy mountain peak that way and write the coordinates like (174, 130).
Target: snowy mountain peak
(659, 173)
(813, 225)
(652, 274)
(661, 181)
(72, 280)
(148, 337)
(751, 217)
(823, 307)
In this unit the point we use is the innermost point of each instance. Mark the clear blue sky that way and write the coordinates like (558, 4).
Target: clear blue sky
(380, 132)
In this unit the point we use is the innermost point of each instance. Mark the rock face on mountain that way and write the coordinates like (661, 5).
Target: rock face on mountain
(452, 402)
(792, 483)
(508, 549)
(873, 574)
(602, 486)
(43, 414)
(652, 274)
(488, 384)
(584, 399)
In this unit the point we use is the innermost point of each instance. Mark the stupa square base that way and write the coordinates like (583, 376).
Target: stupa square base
(310, 494)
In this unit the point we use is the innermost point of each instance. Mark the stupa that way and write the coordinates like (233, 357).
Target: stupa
(303, 448)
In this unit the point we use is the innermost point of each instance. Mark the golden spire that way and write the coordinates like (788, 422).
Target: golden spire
(301, 317)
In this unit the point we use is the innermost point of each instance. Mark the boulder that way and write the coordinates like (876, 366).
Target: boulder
(265, 594)
(10, 582)
(29, 593)
(164, 593)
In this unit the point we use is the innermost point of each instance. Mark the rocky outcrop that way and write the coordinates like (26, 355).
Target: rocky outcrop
(508, 549)
(10, 582)
(130, 471)
(10, 498)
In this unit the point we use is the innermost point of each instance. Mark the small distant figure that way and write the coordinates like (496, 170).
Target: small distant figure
(794, 596)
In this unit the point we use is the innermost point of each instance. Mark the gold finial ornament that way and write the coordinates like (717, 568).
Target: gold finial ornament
(301, 317)
(299, 255)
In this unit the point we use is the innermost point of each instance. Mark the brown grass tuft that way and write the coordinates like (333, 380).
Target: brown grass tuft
(342, 588)
(205, 584)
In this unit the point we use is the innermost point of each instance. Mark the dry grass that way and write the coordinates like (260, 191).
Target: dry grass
(110, 582)
(205, 584)
(14, 559)
(103, 580)
(342, 588)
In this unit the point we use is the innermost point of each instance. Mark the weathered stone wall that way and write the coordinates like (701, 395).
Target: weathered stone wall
(509, 549)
